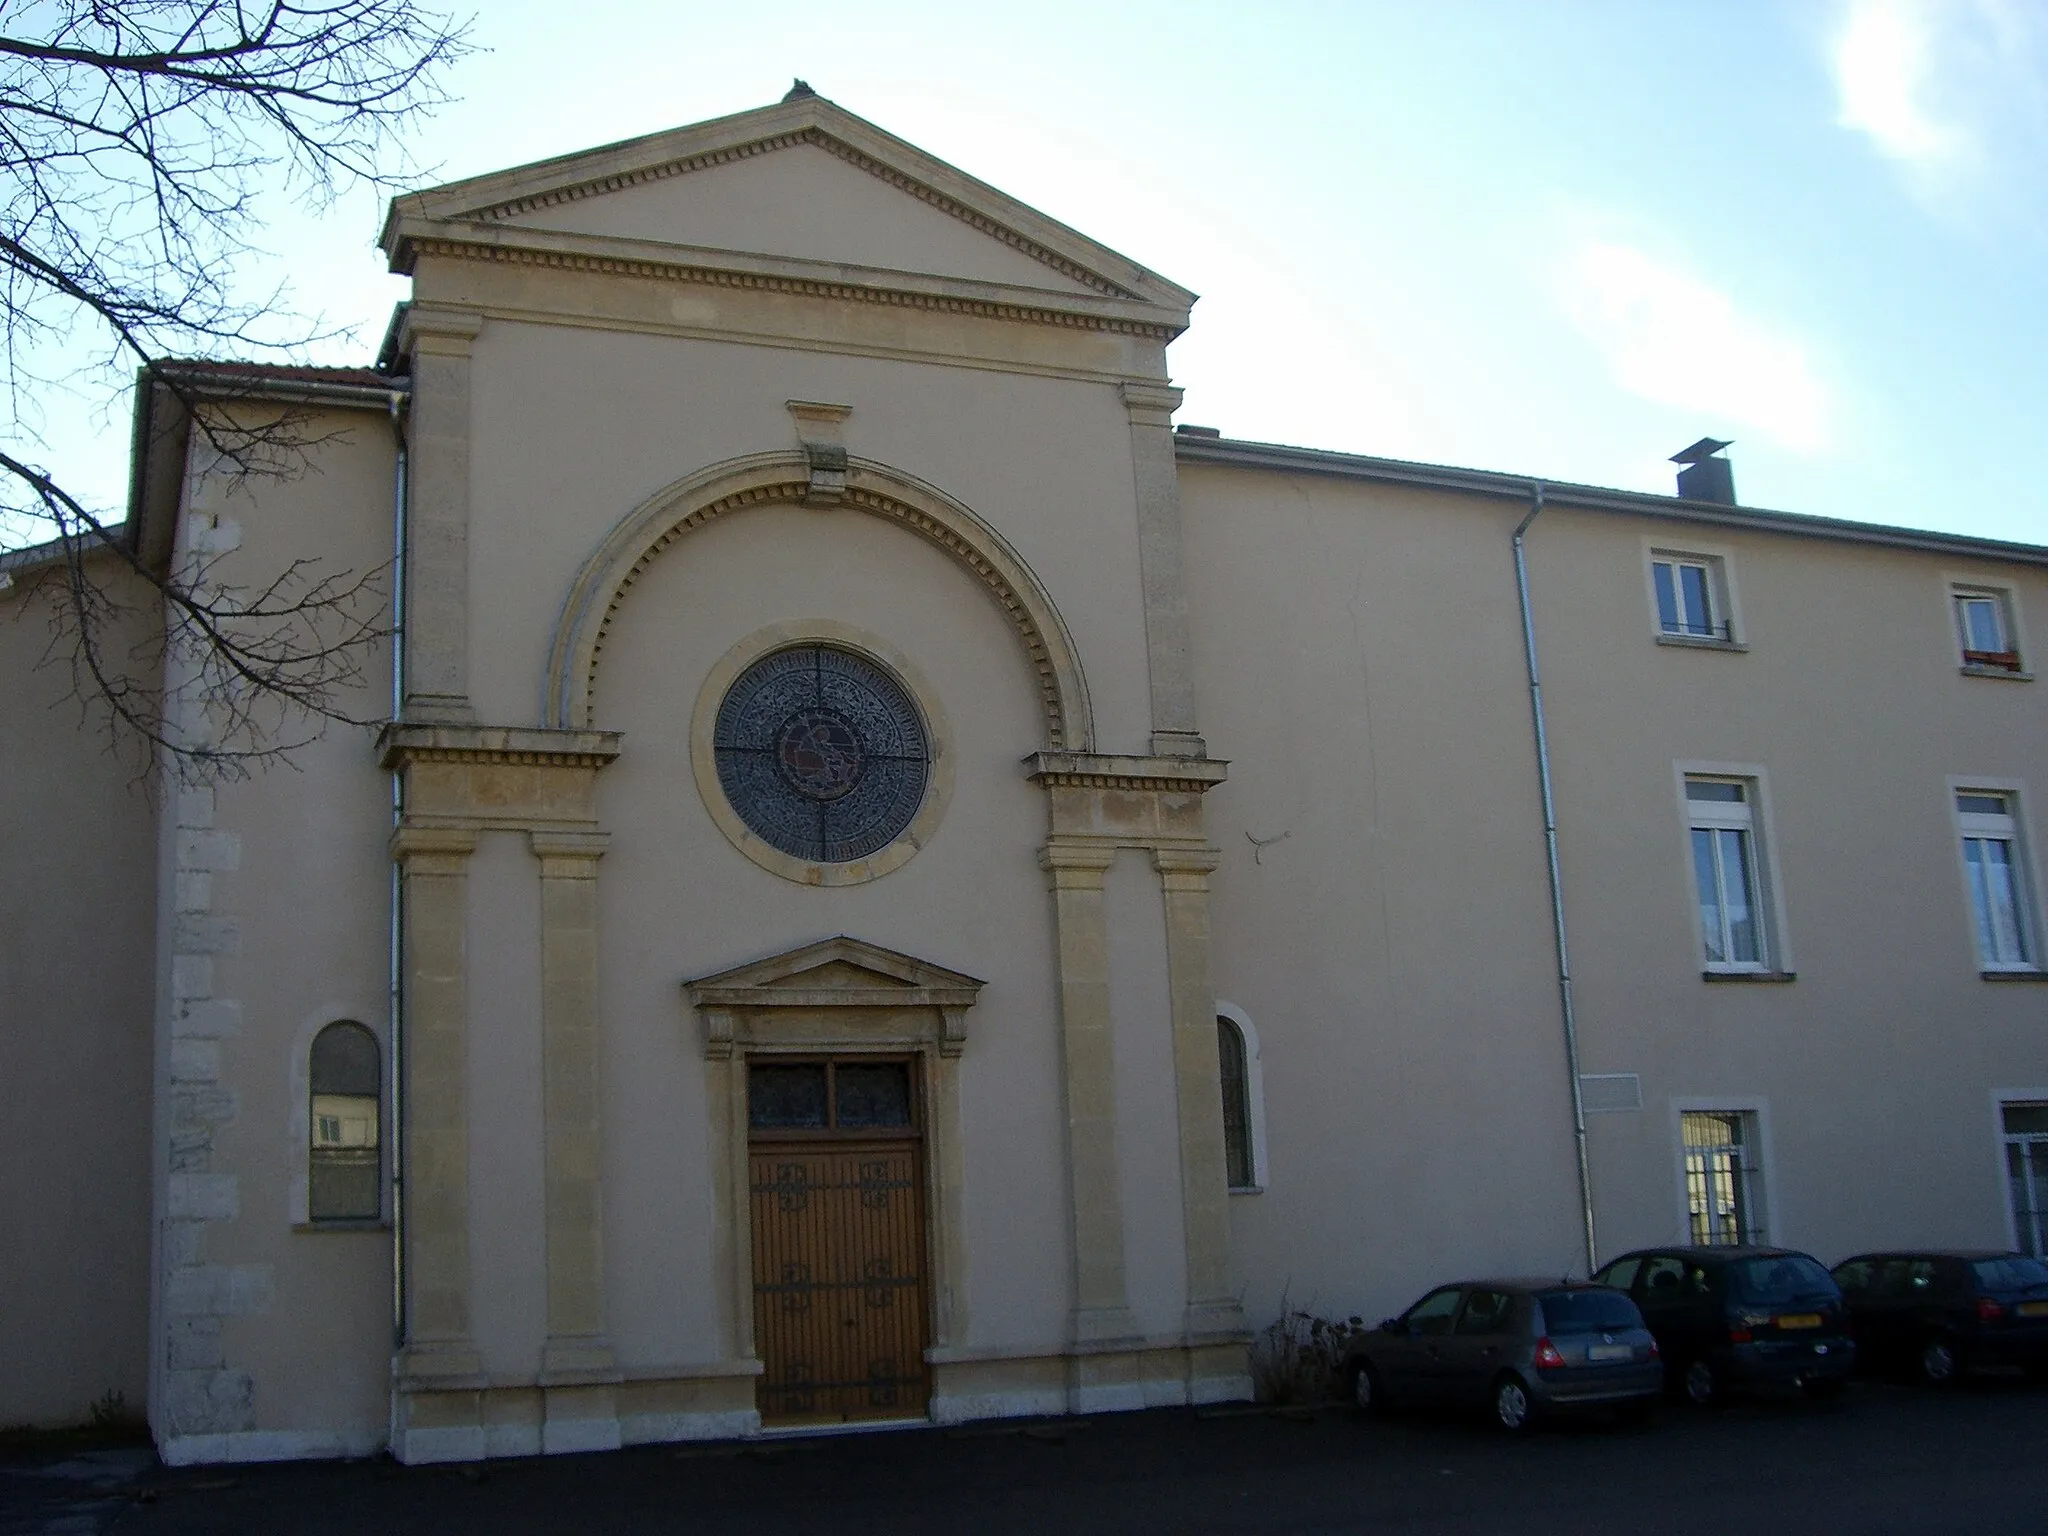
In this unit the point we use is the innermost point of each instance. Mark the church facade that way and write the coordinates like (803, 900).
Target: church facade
(896, 885)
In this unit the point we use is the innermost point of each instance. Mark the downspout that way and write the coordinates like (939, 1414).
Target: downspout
(396, 403)
(1564, 963)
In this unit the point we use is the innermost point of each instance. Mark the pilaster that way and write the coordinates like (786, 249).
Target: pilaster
(1087, 1057)
(1168, 655)
(438, 1353)
(577, 1366)
(1212, 1306)
(436, 636)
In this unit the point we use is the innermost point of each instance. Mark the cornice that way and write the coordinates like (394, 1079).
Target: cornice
(399, 744)
(898, 290)
(1157, 775)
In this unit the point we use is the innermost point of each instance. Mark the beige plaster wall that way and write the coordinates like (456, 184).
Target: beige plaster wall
(77, 917)
(1357, 662)
(1875, 1069)
(276, 889)
(807, 202)
(679, 901)
(556, 463)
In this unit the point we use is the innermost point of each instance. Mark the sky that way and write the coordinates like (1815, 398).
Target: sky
(1562, 238)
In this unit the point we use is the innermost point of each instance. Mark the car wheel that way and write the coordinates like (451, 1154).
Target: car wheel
(1939, 1365)
(1512, 1409)
(1702, 1384)
(1365, 1389)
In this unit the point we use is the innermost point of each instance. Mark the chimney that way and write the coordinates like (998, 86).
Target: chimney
(1706, 476)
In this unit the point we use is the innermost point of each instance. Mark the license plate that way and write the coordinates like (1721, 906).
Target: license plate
(1800, 1320)
(1598, 1353)
(2033, 1309)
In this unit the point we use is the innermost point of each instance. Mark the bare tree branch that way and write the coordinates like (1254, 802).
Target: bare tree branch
(138, 142)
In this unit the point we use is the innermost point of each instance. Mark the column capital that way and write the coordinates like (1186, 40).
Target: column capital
(439, 332)
(433, 850)
(1076, 866)
(1150, 404)
(1185, 869)
(569, 855)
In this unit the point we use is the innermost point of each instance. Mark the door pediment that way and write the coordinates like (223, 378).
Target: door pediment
(837, 993)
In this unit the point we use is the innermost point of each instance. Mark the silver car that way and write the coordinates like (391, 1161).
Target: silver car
(1520, 1348)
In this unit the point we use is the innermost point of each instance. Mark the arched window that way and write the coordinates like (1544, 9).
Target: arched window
(344, 1180)
(1235, 1062)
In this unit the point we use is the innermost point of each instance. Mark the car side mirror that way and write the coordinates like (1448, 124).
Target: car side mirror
(1392, 1325)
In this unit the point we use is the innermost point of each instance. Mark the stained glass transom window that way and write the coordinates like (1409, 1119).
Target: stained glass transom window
(822, 754)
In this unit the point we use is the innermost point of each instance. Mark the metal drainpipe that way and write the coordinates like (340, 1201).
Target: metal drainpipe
(397, 405)
(1564, 963)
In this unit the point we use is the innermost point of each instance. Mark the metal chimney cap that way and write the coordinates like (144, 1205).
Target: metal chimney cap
(1700, 451)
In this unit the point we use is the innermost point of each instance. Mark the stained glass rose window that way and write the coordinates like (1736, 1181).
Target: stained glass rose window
(821, 753)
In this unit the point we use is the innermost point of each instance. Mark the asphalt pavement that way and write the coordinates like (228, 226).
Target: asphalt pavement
(1884, 1459)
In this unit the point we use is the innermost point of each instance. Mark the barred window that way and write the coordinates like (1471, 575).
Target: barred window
(344, 1172)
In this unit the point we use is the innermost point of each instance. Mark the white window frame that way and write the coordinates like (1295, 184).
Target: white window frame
(1763, 1189)
(2011, 828)
(1961, 589)
(1254, 1096)
(2003, 1099)
(1724, 616)
(1753, 816)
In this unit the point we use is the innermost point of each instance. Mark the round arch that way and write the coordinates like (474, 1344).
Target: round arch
(763, 479)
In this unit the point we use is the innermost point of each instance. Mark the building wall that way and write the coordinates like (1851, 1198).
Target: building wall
(77, 916)
(273, 1337)
(1359, 659)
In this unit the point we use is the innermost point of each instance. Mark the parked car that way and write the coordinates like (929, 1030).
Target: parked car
(1732, 1317)
(1942, 1313)
(1522, 1348)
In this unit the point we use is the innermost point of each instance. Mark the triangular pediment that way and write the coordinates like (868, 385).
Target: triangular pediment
(803, 182)
(854, 968)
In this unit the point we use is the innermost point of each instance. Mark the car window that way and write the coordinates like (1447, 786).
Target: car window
(1697, 1281)
(2013, 1274)
(1433, 1313)
(1888, 1279)
(1573, 1312)
(1785, 1277)
(1485, 1312)
(1663, 1277)
(1854, 1277)
(1919, 1278)
(1621, 1274)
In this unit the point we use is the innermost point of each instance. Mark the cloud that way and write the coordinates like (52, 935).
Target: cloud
(1952, 92)
(1672, 338)
(1882, 62)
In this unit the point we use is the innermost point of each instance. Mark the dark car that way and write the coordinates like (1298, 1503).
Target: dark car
(1942, 1313)
(1733, 1317)
(1521, 1348)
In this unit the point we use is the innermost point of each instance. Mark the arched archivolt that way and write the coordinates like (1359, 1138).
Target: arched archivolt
(769, 478)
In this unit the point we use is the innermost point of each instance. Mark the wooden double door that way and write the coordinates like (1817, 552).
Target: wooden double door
(841, 1303)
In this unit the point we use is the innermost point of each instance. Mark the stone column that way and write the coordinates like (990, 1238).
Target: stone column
(1101, 1309)
(577, 1367)
(436, 638)
(1212, 1309)
(1167, 652)
(438, 1353)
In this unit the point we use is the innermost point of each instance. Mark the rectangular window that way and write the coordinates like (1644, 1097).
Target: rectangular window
(1725, 873)
(1984, 628)
(1723, 1183)
(2026, 1168)
(1992, 868)
(1689, 600)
